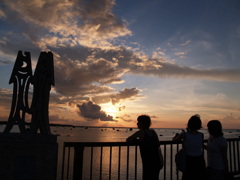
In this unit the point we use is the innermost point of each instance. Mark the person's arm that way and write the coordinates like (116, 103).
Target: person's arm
(179, 137)
(204, 146)
(223, 150)
(156, 136)
(135, 137)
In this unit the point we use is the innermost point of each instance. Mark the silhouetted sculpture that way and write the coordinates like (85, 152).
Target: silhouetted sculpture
(21, 75)
(42, 80)
(29, 154)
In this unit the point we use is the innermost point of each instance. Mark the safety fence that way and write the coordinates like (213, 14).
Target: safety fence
(122, 160)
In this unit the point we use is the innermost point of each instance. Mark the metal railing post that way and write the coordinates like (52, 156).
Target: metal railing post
(78, 163)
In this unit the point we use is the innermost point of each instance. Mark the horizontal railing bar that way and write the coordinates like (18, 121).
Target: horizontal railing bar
(99, 144)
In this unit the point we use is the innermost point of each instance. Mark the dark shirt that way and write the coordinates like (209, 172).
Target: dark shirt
(149, 149)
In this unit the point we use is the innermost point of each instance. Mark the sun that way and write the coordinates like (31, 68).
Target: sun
(110, 110)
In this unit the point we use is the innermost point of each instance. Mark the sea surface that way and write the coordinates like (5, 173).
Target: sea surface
(114, 134)
(107, 134)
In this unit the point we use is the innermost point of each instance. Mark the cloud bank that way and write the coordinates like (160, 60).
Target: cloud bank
(57, 23)
(90, 51)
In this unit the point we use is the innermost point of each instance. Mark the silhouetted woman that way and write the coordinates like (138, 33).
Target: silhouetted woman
(193, 147)
(149, 148)
(217, 151)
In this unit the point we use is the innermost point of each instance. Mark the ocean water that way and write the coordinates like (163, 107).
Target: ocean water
(109, 134)
(90, 134)
(103, 134)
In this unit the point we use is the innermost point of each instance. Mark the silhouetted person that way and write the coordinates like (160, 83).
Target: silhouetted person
(216, 151)
(149, 148)
(193, 147)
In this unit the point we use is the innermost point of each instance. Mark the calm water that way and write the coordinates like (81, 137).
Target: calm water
(81, 134)
(90, 134)
(120, 134)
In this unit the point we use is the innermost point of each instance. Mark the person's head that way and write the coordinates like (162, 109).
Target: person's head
(194, 123)
(144, 122)
(215, 128)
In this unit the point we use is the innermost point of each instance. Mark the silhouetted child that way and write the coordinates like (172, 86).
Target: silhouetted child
(193, 147)
(216, 151)
(149, 148)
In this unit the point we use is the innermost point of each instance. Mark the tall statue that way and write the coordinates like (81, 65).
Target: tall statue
(21, 76)
(42, 81)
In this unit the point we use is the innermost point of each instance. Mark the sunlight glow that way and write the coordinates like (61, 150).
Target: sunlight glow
(110, 110)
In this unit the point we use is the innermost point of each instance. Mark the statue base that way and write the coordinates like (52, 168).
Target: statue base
(28, 156)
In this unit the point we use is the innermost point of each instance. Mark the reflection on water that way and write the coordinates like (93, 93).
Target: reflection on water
(112, 161)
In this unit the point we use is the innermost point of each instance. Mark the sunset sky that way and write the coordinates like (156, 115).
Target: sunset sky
(115, 60)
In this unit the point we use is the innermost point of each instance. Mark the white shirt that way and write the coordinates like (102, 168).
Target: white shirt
(215, 158)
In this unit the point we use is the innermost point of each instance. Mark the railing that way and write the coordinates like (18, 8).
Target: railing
(121, 160)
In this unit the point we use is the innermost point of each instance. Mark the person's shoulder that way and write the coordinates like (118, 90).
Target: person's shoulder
(152, 130)
(141, 132)
(222, 140)
(137, 133)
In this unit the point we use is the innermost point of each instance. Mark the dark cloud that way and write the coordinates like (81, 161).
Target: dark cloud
(57, 99)
(170, 70)
(125, 94)
(99, 14)
(93, 111)
(85, 78)
(126, 118)
(88, 23)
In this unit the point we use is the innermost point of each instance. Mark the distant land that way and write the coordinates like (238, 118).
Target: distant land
(69, 125)
(73, 126)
